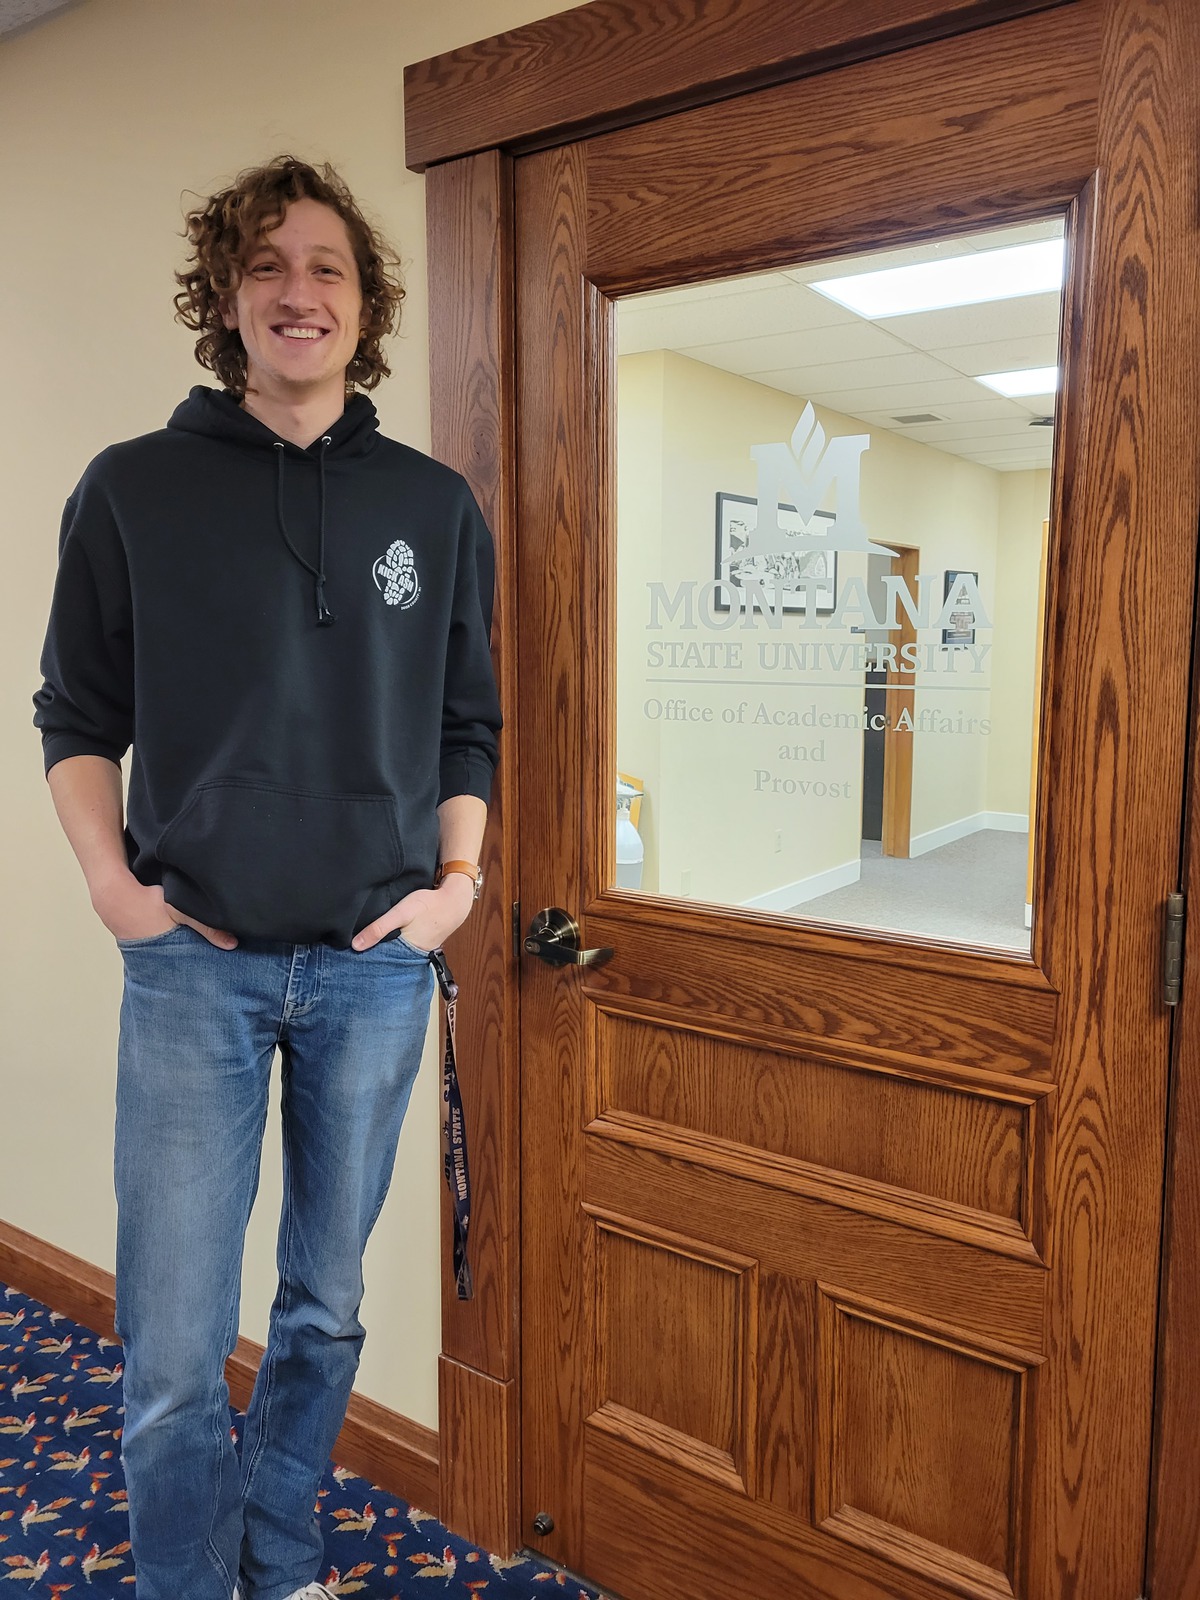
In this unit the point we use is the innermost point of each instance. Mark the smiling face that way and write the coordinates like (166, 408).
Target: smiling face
(299, 307)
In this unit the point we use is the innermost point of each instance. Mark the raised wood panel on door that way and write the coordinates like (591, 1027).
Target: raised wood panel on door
(905, 1406)
(953, 1156)
(677, 1348)
(873, 995)
(994, 1258)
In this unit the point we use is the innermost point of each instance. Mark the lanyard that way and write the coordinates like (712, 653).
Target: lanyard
(454, 1131)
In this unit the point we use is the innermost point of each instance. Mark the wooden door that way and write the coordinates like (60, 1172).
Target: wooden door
(840, 1251)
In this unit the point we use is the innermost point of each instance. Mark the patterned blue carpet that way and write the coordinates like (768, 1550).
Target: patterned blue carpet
(64, 1522)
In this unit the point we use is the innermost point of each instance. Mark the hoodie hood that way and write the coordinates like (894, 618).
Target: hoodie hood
(217, 414)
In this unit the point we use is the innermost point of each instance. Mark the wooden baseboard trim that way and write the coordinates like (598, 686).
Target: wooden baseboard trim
(75, 1287)
(380, 1445)
(480, 1493)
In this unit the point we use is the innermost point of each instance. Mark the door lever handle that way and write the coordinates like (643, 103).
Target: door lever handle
(554, 938)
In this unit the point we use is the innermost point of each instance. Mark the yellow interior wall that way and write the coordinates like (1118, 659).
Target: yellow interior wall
(110, 115)
(640, 463)
(1024, 506)
(685, 430)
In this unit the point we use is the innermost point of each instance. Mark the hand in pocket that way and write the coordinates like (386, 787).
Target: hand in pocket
(133, 910)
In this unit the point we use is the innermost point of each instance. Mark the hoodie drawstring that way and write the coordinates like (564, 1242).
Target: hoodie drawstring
(324, 615)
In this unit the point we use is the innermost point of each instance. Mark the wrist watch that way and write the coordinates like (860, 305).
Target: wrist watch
(472, 871)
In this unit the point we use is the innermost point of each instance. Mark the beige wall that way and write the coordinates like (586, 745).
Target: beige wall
(1024, 506)
(685, 431)
(108, 116)
(641, 450)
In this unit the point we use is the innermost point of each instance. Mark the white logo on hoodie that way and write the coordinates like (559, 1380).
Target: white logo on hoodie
(395, 576)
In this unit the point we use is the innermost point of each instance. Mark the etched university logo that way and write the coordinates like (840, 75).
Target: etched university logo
(800, 474)
(395, 576)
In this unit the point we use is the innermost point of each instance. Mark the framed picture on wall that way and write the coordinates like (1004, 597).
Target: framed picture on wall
(786, 571)
(961, 631)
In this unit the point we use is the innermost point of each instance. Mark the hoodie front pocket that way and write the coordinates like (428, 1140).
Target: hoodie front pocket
(279, 863)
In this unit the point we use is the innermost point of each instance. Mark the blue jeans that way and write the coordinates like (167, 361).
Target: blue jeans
(199, 1028)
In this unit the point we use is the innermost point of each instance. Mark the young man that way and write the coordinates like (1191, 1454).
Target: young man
(287, 616)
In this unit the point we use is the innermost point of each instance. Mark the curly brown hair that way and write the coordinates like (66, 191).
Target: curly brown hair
(227, 228)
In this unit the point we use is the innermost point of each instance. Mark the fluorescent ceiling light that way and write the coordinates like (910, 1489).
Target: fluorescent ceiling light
(1034, 380)
(957, 281)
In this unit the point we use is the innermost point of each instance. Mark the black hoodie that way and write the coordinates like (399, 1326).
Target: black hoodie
(295, 643)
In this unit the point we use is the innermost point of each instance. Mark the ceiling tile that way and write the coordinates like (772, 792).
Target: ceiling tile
(1008, 433)
(961, 411)
(689, 293)
(1030, 316)
(685, 324)
(999, 461)
(894, 398)
(932, 250)
(801, 347)
(17, 16)
(878, 373)
(1000, 458)
(876, 261)
(1021, 233)
(1002, 355)
(1037, 405)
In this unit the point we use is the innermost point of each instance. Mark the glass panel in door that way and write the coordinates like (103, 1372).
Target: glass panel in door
(833, 503)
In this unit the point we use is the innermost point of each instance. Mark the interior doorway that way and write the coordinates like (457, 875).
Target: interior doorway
(875, 705)
(897, 751)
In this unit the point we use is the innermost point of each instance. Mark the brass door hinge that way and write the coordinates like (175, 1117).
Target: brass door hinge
(1173, 950)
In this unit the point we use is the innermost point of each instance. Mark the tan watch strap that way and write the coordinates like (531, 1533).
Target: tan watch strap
(470, 868)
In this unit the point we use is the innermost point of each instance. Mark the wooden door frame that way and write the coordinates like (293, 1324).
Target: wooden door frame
(896, 833)
(468, 113)
(1174, 1566)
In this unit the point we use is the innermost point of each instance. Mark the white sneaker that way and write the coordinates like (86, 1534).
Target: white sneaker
(312, 1591)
